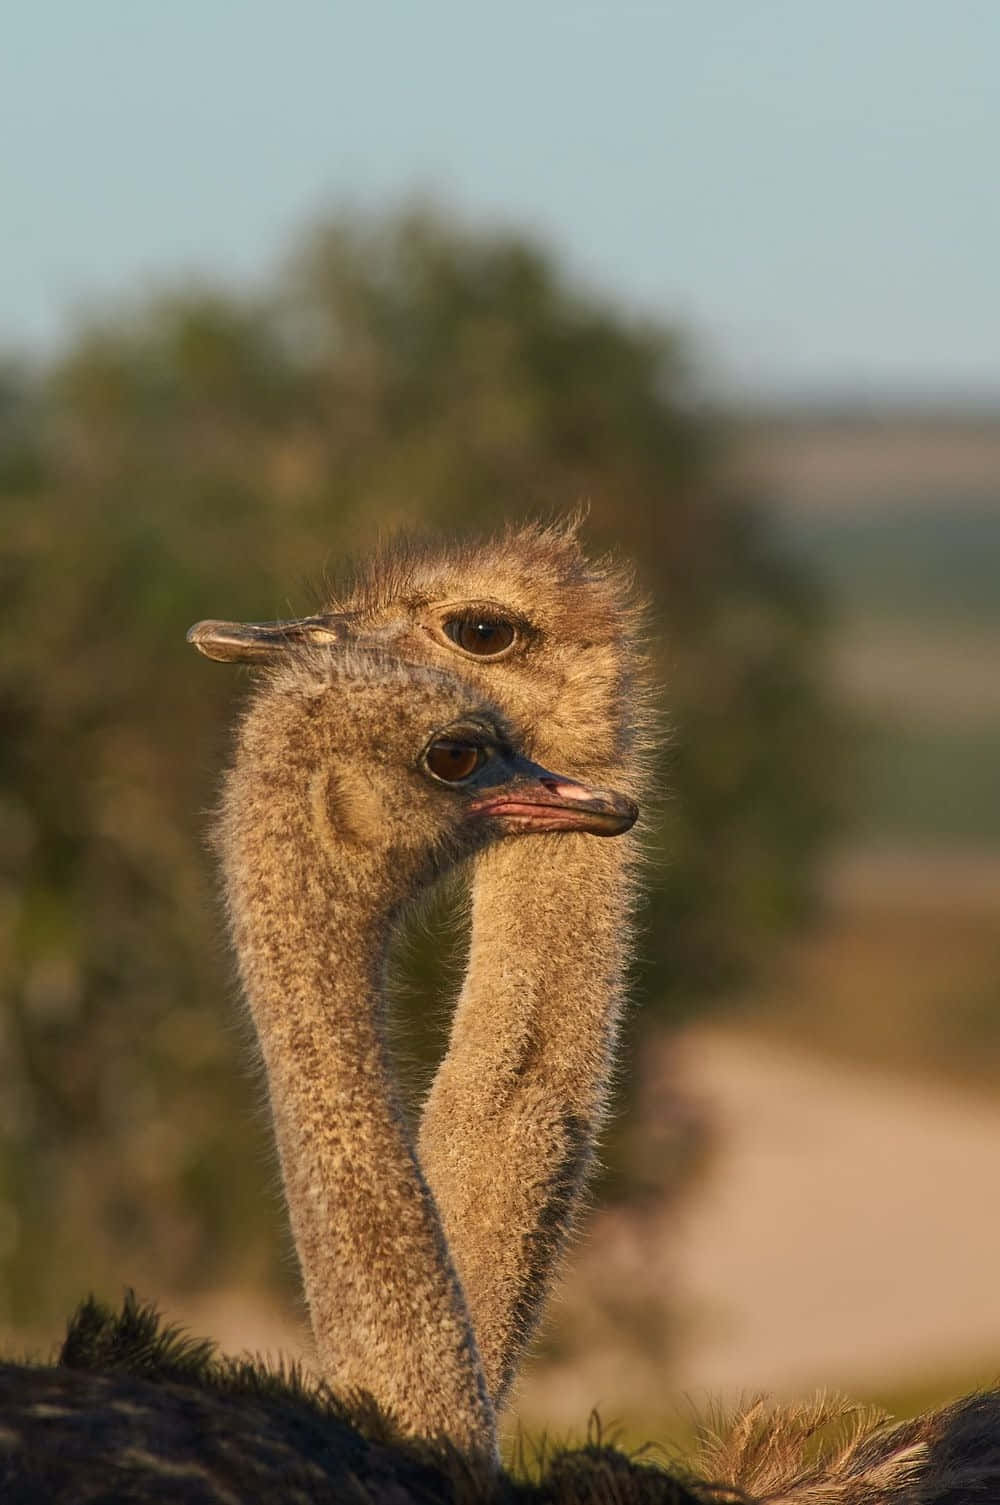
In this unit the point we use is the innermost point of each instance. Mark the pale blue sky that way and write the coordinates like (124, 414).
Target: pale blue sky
(811, 186)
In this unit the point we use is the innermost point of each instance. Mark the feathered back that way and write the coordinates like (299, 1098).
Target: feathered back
(831, 1451)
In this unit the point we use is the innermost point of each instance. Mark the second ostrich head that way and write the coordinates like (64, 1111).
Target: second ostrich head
(403, 759)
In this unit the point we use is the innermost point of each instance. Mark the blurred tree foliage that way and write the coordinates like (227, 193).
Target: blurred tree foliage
(206, 454)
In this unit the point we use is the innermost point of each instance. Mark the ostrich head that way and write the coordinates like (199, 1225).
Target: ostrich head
(524, 616)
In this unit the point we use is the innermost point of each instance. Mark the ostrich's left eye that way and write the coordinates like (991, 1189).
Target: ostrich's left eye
(453, 761)
(480, 634)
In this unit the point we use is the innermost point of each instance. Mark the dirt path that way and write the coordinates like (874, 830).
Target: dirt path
(846, 1235)
(850, 1227)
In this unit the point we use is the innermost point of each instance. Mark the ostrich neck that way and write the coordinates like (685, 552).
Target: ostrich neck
(387, 1312)
(534, 1030)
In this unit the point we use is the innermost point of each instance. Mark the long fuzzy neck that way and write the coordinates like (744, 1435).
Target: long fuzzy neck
(534, 1030)
(310, 922)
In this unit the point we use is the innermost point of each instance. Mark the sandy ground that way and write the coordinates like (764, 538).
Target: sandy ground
(846, 1235)
(850, 1226)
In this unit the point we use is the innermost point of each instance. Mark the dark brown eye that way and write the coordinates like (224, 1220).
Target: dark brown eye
(454, 761)
(479, 634)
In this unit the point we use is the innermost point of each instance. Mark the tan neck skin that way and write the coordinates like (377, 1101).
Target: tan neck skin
(534, 1032)
(310, 923)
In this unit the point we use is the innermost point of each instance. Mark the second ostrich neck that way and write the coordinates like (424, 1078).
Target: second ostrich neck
(311, 915)
(535, 1029)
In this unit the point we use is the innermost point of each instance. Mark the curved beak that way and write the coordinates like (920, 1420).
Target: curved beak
(256, 642)
(543, 801)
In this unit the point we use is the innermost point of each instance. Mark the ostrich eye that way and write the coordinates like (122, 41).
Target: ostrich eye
(482, 635)
(454, 761)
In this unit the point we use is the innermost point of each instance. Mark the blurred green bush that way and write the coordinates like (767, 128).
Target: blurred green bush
(209, 453)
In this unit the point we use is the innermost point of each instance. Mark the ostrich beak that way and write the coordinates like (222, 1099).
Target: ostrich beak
(256, 642)
(541, 801)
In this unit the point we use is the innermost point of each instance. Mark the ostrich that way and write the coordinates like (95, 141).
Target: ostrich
(508, 1130)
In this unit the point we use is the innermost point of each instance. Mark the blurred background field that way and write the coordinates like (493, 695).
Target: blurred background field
(798, 1178)
(842, 1231)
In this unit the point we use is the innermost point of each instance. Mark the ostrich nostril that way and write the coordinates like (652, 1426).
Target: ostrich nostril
(568, 789)
(328, 629)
